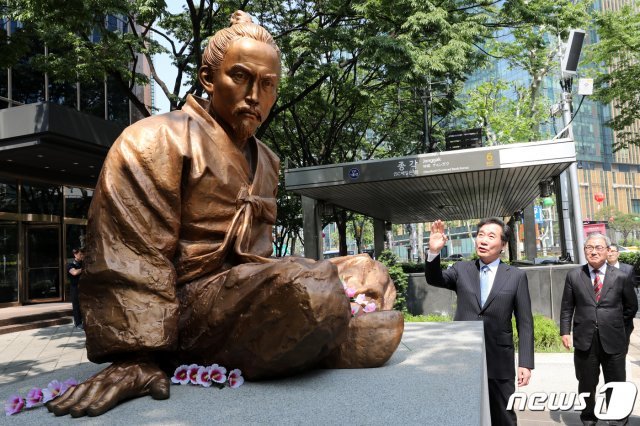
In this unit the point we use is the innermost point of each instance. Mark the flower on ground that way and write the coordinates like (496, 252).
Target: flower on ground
(13, 405)
(218, 373)
(34, 397)
(181, 375)
(370, 307)
(235, 378)
(193, 373)
(204, 376)
(52, 391)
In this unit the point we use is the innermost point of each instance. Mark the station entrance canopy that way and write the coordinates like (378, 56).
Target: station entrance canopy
(464, 184)
(55, 144)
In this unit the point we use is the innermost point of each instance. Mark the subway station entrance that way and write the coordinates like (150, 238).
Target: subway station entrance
(473, 183)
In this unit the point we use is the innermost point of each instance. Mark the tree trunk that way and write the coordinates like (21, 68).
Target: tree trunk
(341, 223)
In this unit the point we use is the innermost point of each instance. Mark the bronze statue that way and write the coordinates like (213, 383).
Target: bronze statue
(179, 234)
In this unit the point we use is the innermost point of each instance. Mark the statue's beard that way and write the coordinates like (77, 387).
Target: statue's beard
(244, 129)
(246, 126)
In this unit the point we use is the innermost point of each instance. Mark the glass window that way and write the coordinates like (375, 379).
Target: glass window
(92, 97)
(8, 262)
(112, 23)
(76, 202)
(38, 199)
(63, 94)
(8, 197)
(43, 260)
(635, 206)
(118, 103)
(27, 82)
(4, 94)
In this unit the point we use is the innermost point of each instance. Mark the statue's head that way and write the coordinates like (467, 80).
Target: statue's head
(240, 72)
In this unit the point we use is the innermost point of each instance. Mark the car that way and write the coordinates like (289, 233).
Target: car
(456, 257)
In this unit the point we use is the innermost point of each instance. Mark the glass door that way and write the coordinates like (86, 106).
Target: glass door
(42, 263)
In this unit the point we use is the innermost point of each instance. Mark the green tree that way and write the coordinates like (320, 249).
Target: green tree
(526, 39)
(503, 119)
(361, 227)
(618, 51)
(625, 223)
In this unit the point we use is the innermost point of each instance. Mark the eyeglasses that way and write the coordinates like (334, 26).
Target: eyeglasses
(592, 248)
(613, 250)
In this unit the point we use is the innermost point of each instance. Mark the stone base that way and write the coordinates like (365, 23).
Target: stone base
(436, 377)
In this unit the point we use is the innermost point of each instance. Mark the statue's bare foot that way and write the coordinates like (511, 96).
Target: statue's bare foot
(371, 340)
(120, 381)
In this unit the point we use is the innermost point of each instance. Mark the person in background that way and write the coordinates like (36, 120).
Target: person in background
(74, 269)
(490, 291)
(612, 259)
(599, 298)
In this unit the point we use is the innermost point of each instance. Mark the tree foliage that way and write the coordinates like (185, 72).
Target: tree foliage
(624, 223)
(618, 50)
(527, 41)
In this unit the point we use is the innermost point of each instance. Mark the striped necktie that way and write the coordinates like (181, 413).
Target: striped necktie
(597, 284)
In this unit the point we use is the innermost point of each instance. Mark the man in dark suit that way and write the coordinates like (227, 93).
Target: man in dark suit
(490, 291)
(612, 259)
(600, 299)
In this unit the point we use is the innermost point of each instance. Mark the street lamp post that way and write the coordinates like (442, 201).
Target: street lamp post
(574, 235)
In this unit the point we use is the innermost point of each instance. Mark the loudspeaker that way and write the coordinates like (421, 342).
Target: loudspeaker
(571, 56)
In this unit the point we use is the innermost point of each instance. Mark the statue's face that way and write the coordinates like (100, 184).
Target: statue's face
(245, 86)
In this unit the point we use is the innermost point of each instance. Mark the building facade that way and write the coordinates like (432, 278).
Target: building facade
(54, 137)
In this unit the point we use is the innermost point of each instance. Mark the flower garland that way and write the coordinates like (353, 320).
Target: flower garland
(37, 397)
(357, 301)
(215, 375)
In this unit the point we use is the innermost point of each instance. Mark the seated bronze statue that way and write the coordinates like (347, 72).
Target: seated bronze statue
(178, 243)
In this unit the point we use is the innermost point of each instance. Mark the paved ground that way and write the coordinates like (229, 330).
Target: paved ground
(55, 352)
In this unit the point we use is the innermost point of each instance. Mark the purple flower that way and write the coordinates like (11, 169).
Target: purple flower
(360, 299)
(235, 378)
(193, 373)
(52, 391)
(371, 306)
(68, 384)
(13, 405)
(181, 375)
(218, 373)
(204, 376)
(34, 397)
(354, 309)
(350, 292)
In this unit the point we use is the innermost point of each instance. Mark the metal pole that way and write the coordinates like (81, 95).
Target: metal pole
(577, 229)
(9, 70)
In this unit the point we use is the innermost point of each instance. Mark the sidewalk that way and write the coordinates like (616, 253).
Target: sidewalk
(554, 372)
(35, 357)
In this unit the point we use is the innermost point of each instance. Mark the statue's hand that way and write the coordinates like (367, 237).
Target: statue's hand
(120, 381)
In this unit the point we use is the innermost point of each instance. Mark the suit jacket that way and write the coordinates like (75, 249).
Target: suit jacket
(628, 269)
(509, 296)
(618, 304)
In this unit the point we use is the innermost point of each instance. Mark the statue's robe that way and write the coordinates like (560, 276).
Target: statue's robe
(178, 239)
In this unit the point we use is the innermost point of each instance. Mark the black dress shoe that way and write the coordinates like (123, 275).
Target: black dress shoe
(589, 422)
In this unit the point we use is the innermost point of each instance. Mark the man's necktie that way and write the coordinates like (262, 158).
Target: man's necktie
(597, 284)
(484, 284)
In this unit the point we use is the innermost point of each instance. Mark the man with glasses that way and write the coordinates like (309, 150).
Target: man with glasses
(600, 300)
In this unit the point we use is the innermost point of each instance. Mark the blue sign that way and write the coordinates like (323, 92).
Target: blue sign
(354, 173)
(537, 213)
